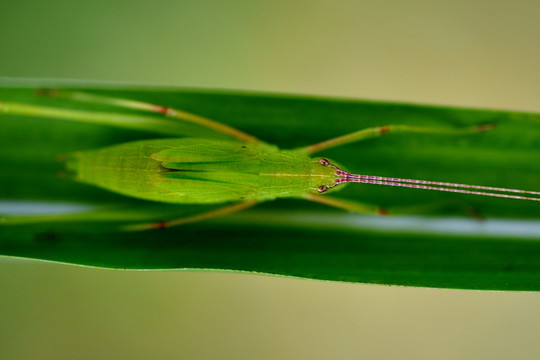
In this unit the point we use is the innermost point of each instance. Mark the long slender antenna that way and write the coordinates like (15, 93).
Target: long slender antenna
(346, 177)
(340, 172)
(448, 189)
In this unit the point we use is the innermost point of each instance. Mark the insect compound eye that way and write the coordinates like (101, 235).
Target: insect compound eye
(324, 162)
(321, 189)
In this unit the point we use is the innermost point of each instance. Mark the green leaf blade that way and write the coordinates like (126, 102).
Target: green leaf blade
(506, 157)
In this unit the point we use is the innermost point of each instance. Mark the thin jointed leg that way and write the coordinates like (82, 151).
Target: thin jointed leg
(143, 106)
(370, 209)
(369, 133)
(229, 209)
(358, 207)
(137, 122)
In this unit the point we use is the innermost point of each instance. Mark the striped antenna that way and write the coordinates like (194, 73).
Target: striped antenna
(345, 177)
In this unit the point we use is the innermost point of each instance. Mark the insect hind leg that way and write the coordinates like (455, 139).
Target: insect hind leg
(228, 209)
(168, 112)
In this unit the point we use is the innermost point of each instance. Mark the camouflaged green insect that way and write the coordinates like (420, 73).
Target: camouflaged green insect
(238, 173)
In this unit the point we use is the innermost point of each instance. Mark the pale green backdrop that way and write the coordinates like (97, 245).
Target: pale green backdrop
(468, 53)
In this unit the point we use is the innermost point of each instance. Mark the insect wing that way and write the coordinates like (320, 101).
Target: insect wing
(205, 187)
(207, 171)
(204, 150)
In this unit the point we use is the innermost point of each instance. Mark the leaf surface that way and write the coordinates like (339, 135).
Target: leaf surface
(292, 237)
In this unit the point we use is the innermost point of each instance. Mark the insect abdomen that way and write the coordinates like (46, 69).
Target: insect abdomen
(127, 169)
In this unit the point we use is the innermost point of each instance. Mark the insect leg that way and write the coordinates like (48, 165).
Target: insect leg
(128, 121)
(158, 109)
(370, 209)
(229, 209)
(355, 206)
(369, 133)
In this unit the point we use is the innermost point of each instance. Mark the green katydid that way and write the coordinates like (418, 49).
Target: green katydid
(238, 172)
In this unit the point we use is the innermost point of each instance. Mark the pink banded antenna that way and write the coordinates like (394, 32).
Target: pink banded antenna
(345, 177)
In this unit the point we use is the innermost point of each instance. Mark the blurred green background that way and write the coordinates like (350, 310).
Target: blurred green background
(465, 53)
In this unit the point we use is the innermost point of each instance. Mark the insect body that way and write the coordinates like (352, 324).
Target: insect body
(239, 172)
(202, 171)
